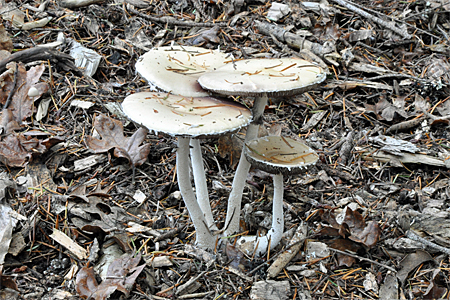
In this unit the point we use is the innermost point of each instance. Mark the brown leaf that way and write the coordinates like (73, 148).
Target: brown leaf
(328, 32)
(360, 231)
(236, 257)
(13, 153)
(410, 262)
(21, 104)
(111, 132)
(17, 150)
(206, 35)
(230, 145)
(343, 245)
(117, 279)
(353, 227)
(40, 176)
(7, 122)
(5, 40)
(384, 110)
(85, 282)
(120, 268)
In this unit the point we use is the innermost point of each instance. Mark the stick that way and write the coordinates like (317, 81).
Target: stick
(364, 259)
(175, 22)
(63, 60)
(412, 236)
(389, 25)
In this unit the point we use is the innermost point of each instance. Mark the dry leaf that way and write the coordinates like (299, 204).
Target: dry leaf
(7, 122)
(121, 275)
(384, 110)
(21, 104)
(111, 132)
(230, 145)
(353, 226)
(5, 40)
(17, 150)
(206, 35)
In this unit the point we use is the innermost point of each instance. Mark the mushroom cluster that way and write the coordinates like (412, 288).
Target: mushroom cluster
(260, 78)
(189, 119)
(189, 75)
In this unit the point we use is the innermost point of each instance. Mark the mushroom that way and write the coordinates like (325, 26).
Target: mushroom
(260, 78)
(188, 118)
(176, 69)
(276, 155)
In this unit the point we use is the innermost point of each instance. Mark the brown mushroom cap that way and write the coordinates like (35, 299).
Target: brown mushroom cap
(275, 154)
(254, 77)
(176, 69)
(185, 116)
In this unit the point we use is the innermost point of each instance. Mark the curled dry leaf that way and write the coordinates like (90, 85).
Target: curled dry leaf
(17, 150)
(353, 226)
(206, 35)
(344, 245)
(111, 132)
(21, 104)
(384, 110)
(5, 40)
(121, 275)
(230, 145)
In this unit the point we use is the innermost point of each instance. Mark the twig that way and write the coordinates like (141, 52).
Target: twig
(399, 75)
(175, 22)
(77, 3)
(364, 259)
(199, 8)
(13, 89)
(169, 234)
(400, 21)
(63, 60)
(412, 236)
(388, 25)
(278, 254)
(294, 40)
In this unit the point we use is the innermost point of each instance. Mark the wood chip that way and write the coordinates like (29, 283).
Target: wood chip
(69, 244)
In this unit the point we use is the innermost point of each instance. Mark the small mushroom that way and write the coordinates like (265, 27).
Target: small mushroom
(188, 118)
(276, 155)
(176, 69)
(260, 78)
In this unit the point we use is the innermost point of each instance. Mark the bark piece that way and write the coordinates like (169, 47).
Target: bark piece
(270, 290)
(294, 246)
(404, 158)
(294, 40)
(69, 244)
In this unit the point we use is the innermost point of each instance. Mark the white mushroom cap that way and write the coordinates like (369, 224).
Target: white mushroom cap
(185, 116)
(176, 69)
(276, 154)
(254, 77)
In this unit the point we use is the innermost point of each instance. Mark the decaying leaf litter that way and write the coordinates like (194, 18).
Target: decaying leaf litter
(370, 221)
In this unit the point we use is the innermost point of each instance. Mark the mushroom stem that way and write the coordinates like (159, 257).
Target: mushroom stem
(204, 237)
(240, 177)
(201, 188)
(259, 245)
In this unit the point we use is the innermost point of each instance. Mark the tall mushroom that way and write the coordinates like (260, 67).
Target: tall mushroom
(175, 69)
(187, 118)
(276, 155)
(260, 78)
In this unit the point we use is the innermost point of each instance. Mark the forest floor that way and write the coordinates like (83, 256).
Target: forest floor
(370, 220)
